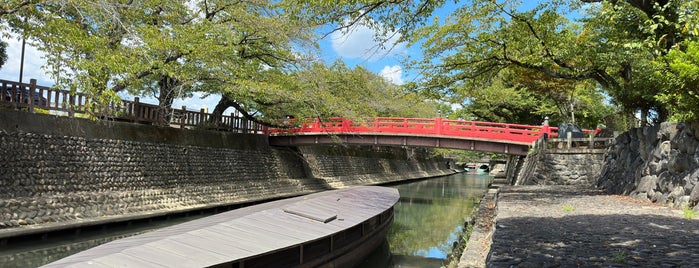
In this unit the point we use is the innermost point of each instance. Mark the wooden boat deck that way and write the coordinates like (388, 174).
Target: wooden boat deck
(225, 239)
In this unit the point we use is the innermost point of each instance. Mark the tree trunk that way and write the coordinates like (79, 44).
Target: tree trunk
(221, 106)
(167, 86)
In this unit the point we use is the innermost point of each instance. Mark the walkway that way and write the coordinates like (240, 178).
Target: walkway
(569, 226)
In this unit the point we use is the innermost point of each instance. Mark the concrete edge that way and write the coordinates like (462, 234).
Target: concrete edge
(477, 249)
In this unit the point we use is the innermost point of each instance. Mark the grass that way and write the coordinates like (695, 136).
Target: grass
(619, 257)
(687, 212)
(568, 208)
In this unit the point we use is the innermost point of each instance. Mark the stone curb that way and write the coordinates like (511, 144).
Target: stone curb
(478, 245)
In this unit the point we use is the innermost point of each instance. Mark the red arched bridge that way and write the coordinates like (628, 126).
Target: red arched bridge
(425, 132)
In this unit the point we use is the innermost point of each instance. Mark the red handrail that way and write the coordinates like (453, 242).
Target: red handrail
(417, 126)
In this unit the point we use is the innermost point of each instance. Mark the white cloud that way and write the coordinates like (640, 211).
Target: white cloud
(358, 42)
(198, 101)
(393, 74)
(33, 61)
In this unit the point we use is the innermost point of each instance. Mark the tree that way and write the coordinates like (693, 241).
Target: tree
(617, 44)
(12, 12)
(170, 49)
(684, 96)
(3, 53)
(321, 91)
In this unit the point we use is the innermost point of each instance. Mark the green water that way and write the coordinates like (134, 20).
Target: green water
(428, 219)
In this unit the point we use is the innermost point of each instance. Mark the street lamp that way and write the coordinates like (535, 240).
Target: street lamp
(21, 61)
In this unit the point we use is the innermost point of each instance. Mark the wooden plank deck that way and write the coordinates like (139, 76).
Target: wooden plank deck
(242, 233)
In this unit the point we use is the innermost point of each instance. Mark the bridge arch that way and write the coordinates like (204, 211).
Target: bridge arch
(512, 139)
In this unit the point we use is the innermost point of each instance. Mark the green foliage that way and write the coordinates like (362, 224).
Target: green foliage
(464, 156)
(497, 60)
(617, 45)
(3, 53)
(168, 49)
(619, 257)
(321, 91)
(687, 212)
(683, 96)
(568, 208)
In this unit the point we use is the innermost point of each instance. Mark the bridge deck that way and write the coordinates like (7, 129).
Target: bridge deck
(245, 233)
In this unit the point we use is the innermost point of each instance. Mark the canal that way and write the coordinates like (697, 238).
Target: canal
(428, 219)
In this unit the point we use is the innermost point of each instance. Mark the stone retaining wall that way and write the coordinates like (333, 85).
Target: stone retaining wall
(340, 167)
(659, 163)
(558, 168)
(567, 169)
(60, 173)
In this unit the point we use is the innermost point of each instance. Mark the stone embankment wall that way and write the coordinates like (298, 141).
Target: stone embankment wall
(58, 173)
(560, 167)
(659, 163)
(566, 169)
(340, 167)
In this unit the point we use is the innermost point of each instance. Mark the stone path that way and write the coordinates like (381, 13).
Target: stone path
(571, 226)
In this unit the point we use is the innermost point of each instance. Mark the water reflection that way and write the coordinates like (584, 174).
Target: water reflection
(428, 219)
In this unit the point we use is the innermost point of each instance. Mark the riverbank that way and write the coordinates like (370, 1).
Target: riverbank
(572, 226)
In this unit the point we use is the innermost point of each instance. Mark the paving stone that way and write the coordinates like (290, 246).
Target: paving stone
(600, 231)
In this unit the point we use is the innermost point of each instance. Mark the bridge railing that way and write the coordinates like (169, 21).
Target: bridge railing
(417, 126)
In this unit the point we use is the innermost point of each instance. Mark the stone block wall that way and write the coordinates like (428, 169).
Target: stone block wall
(659, 163)
(566, 169)
(60, 173)
(342, 167)
(51, 179)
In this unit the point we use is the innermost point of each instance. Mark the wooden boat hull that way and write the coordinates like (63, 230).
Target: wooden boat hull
(329, 229)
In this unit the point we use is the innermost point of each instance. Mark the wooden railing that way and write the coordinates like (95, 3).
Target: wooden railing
(30, 97)
(418, 126)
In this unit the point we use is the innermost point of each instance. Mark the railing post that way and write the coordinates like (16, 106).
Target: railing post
(183, 116)
(71, 105)
(32, 87)
(438, 125)
(136, 108)
(546, 130)
(345, 125)
(202, 117)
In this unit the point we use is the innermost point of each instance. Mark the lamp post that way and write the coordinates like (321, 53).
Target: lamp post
(21, 61)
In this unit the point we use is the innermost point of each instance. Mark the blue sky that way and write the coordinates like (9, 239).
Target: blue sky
(355, 47)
